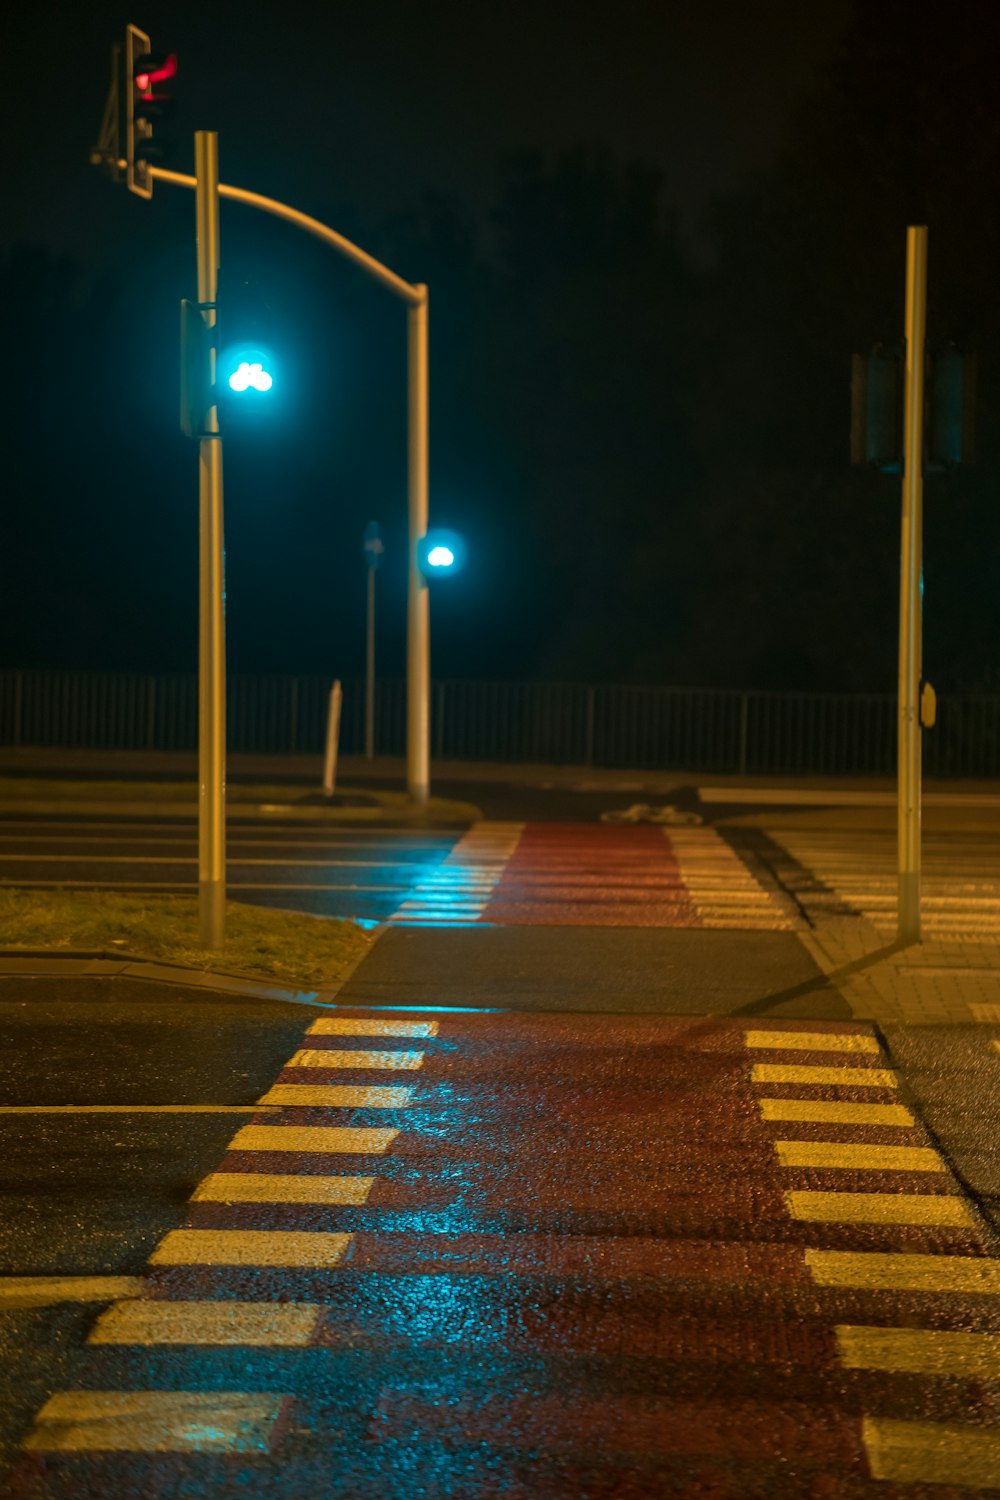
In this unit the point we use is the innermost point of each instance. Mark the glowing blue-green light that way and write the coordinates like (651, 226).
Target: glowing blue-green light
(250, 375)
(440, 557)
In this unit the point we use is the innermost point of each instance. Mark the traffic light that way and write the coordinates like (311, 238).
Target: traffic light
(877, 385)
(245, 369)
(441, 553)
(197, 394)
(144, 73)
(877, 409)
(952, 401)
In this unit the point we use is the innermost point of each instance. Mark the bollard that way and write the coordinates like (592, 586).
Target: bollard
(332, 739)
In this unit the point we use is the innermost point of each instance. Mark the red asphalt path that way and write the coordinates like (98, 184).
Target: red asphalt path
(577, 1275)
(591, 875)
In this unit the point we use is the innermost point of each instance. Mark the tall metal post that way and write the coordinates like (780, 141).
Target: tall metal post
(911, 590)
(370, 669)
(211, 588)
(418, 653)
(418, 614)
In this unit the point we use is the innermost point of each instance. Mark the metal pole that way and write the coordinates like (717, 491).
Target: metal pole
(370, 670)
(911, 589)
(332, 739)
(211, 619)
(418, 651)
(418, 614)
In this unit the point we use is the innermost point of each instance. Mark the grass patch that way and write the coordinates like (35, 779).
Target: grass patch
(260, 941)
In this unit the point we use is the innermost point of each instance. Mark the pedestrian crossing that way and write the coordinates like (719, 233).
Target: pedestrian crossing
(960, 891)
(381, 1309)
(595, 875)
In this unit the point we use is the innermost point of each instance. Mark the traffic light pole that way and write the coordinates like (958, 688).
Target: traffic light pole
(418, 631)
(418, 612)
(211, 614)
(911, 592)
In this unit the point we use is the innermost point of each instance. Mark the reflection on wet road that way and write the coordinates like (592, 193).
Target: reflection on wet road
(485, 1254)
(496, 873)
(345, 871)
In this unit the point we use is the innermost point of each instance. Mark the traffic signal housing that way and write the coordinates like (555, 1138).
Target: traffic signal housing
(144, 73)
(246, 369)
(877, 409)
(878, 382)
(951, 408)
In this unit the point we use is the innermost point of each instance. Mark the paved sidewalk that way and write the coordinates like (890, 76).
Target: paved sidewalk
(926, 984)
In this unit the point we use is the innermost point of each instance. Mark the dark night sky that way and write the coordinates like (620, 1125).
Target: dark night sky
(639, 395)
(332, 104)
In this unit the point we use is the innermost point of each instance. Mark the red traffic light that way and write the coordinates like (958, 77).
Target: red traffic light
(151, 69)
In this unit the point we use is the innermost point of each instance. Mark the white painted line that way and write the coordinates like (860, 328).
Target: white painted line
(336, 1096)
(277, 1187)
(191, 885)
(131, 1109)
(352, 1026)
(314, 1249)
(837, 797)
(243, 1324)
(47, 1291)
(327, 1057)
(319, 1139)
(155, 1422)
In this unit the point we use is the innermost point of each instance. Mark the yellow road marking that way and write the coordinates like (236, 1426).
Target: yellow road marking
(813, 1041)
(311, 1138)
(321, 1057)
(289, 1324)
(904, 1273)
(343, 1026)
(155, 1422)
(868, 1078)
(265, 1187)
(45, 1291)
(249, 1247)
(932, 1453)
(337, 1096)
(834, 1112)
(873, 1158)
(921, 1351)
(128, 1109)
(879, 1208)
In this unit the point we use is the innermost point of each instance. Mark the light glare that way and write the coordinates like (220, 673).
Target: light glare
(249, 375)
(440, 557)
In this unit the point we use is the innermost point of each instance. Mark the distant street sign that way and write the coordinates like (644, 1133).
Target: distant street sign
(373, 545)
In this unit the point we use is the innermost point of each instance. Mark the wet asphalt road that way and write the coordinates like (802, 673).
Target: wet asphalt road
(572, 1261)
(350, 870)
(653, 1217)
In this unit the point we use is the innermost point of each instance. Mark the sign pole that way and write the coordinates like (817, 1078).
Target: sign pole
(370, 670)
(211, 613)
(911, 591)
(372, 548)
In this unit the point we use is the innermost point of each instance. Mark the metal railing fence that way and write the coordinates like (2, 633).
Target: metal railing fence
(607, 724)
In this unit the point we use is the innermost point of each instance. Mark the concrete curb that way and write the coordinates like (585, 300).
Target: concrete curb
(266, 812)
(41, 964)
